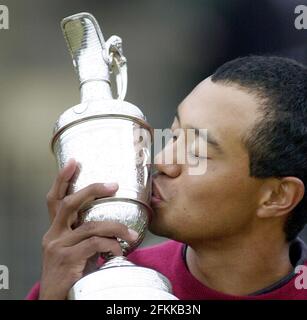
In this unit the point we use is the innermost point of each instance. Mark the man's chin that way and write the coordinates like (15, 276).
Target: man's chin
(155, 227)
(158, 226)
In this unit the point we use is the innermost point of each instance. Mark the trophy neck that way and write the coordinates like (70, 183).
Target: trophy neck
(95, 90)
(116, 261)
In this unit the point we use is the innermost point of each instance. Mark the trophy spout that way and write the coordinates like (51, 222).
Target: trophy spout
(86, 45)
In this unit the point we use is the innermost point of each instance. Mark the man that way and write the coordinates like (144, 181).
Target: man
(233, 229)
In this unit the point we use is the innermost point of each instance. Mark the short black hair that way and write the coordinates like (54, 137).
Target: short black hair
(277, 143)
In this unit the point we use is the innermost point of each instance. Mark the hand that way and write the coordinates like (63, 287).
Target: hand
(66, 250)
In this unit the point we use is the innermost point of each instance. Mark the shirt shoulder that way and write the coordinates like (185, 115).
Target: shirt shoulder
(157, 255)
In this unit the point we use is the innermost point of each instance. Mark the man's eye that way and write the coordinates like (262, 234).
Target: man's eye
(198, 150)
(198, 156)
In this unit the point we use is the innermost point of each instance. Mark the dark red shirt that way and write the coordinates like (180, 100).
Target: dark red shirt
(169, 259)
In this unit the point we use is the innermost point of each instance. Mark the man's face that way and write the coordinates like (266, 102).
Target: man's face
(223, 201)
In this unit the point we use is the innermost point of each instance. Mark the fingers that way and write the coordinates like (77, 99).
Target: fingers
(71, 204)
(93, 245)
(60, 186)
(106, 229)
(64, 265)
(61, 183)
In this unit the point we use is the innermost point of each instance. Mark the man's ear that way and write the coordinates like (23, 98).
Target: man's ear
(280, 196)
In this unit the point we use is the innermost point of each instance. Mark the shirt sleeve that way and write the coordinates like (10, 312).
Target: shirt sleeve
(33, 293)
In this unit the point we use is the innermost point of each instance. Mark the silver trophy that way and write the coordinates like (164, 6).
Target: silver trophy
(111, 142)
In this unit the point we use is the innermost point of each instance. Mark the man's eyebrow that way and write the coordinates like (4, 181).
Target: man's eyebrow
(206, 136)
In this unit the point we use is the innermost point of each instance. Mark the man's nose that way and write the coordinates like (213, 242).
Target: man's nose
(172, 170)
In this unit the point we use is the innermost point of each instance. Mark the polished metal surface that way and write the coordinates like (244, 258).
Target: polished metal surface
(111, 142)
(107, 151)
(120, 279)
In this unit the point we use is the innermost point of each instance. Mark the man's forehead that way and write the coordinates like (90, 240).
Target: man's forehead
(221, 102)
(225, 110)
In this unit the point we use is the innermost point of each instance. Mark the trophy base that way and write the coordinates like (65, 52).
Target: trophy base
(120, 279)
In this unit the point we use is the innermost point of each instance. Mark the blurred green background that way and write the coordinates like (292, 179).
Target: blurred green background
(171, 45)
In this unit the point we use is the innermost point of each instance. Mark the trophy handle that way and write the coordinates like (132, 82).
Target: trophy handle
(118, 64)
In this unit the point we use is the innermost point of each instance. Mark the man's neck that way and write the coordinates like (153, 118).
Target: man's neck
(239, 270)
